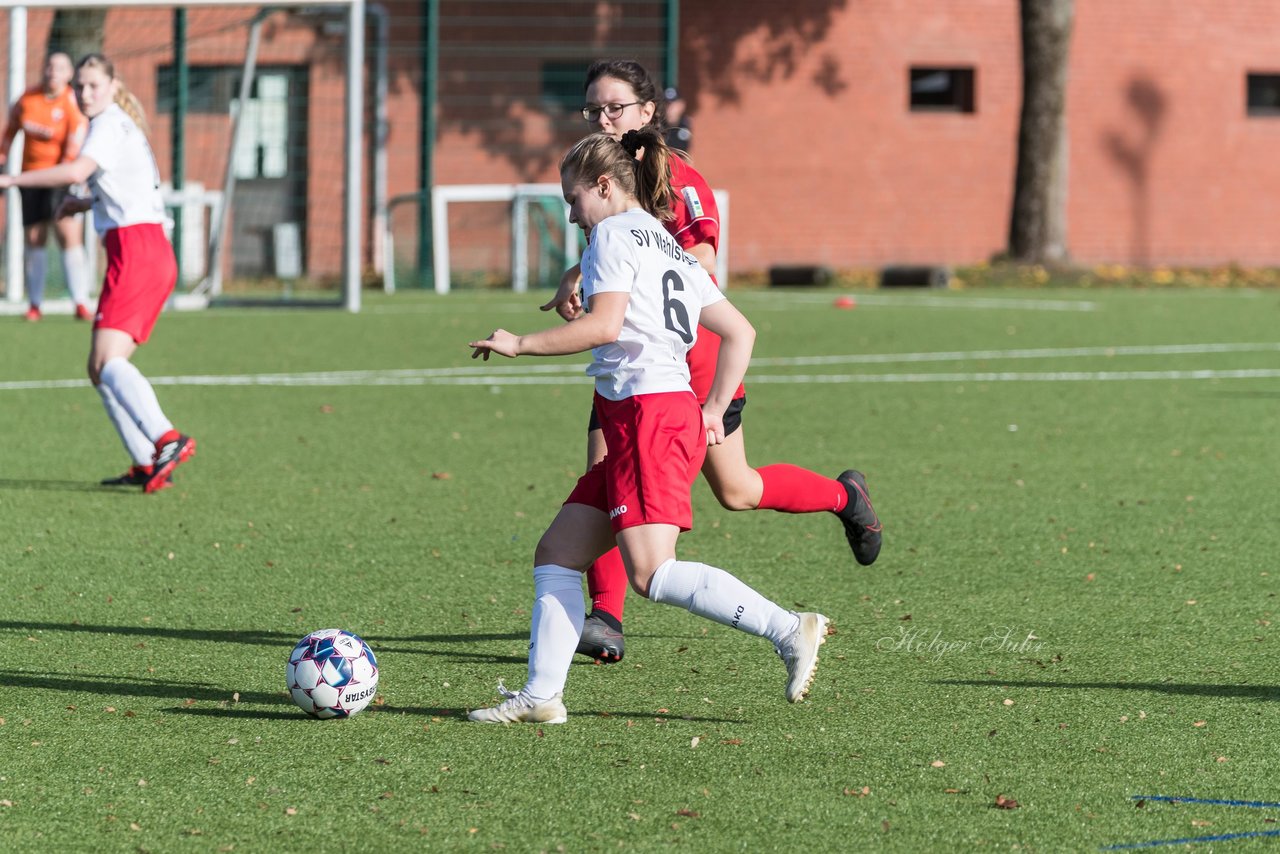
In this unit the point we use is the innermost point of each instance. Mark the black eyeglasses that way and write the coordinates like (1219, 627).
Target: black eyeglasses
(592, 114)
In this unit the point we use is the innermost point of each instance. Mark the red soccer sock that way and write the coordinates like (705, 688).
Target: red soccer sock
(791, 489)
(607, 583)
(171, 436)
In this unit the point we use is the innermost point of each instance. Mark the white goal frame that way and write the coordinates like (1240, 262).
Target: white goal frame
(518, 196)
(352, 125)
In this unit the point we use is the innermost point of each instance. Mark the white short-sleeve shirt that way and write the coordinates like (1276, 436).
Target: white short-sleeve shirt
(126, 185)
(632, 252)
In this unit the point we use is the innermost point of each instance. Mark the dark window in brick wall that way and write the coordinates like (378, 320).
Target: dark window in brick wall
(1263, 95)
(941, 90)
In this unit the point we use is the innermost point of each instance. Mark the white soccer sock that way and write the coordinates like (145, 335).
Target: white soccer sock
(75, 264)
(135, 394)
(558, 614)
(37, 260)
(715, 594)
(139, 447)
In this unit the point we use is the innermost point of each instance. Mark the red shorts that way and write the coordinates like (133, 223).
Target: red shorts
(656, 445)
(141, 273)
(702, 358)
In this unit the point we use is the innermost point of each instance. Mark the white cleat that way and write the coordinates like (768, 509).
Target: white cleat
(519, 707)
(799, 651)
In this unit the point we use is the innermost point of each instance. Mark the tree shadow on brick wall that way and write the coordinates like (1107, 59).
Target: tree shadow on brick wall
(517, 91)
(1148, 105)
(711, 64)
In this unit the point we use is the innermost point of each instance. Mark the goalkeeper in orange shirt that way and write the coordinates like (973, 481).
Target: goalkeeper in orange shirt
(53, 130)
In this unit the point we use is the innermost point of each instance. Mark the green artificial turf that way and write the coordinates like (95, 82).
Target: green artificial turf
(1074, 605)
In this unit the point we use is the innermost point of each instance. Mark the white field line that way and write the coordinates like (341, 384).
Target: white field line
(573, 374)
(771, 302)
(1041, 353)
(1010, 376)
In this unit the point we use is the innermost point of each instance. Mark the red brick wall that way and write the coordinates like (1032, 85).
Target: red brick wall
(850, 177)
(1198, 182)
(800, 112)
(845, 174)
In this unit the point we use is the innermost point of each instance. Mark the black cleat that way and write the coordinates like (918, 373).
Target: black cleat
(600, 640)
(168, 458)
(135, 476)
(861, 524)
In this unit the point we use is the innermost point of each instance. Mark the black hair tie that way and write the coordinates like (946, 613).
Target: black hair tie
(631, 142)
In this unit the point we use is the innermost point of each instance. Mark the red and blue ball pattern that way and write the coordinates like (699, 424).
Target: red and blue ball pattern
(332, 674)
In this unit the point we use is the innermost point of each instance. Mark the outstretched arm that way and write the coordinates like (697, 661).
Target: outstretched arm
(63, 175)
(737, 337)
(599, 326)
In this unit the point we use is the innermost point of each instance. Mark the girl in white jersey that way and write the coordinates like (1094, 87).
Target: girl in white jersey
(645, 298)
(621, 95)
(129, 213)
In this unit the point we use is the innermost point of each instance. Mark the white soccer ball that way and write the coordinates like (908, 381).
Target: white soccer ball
(331, 674)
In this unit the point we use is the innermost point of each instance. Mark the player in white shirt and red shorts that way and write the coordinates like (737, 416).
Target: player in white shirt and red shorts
(129, 213)
(621, 96)
(645, 298)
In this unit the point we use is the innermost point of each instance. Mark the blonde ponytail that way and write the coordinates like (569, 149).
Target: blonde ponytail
(132, 107)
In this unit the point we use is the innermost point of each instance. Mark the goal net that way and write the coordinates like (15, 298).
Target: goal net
(495, 235)
(254, 115)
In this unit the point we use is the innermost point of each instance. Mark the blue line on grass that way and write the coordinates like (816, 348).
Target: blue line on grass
(1188, 840)
(1173, 799)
